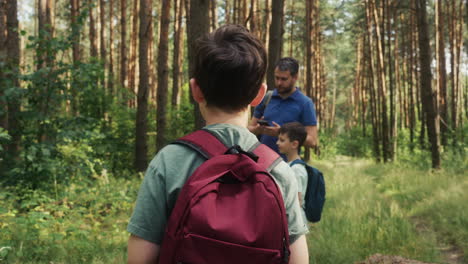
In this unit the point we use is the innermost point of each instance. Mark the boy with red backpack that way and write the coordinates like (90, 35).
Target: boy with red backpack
(217, 195)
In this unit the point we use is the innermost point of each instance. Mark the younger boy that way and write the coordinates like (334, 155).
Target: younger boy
(230, 64)
(291, 138)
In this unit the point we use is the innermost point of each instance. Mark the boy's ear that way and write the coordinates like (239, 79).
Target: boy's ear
(295, 143)
(196, 91)
(261, 93)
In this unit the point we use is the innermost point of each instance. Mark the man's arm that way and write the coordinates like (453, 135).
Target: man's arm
(299, 251)
(311, 140)
(141, 251)
(254, 127)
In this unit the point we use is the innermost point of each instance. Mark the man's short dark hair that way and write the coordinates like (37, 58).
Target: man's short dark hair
(288, 64)
(295, 131)
(230, 64)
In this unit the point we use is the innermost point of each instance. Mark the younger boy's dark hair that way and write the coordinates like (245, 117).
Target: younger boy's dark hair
(230, 64)
(295, 131)
(288, 64)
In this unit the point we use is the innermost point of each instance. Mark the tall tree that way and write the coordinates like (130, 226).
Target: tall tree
(92, 31)
(74, 13)
(123, 43)
(45, 57)
(146, 30)
(198, 25)
(46, 29)
(428, 100)
(110, 78)
(382, 85)
(102, 15)
(276, 40)
(441, 70)
(178, 50)
(9, 71)
(163, 74)
(3, 56)
(133, 54)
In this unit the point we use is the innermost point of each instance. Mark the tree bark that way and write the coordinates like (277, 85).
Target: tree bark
(93, 50)
(123, 43)
(372, 92)
(276, 43)
(12, 63)
(102, 16)
(178, 50)
(163, 74)
(441, 70)
(213, 15)
(3, 58)
(146, 30)
(197, 26)
(110, 78)
(428, 97)
(133, 55)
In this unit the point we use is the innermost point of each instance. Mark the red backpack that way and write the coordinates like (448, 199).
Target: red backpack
(230, 210)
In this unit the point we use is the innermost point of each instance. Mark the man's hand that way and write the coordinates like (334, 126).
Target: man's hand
(271, 130)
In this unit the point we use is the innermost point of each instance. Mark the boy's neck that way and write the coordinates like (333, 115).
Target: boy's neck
(292, 156)
(214, 115)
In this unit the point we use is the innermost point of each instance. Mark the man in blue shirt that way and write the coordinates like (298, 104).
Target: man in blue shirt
(287, 104)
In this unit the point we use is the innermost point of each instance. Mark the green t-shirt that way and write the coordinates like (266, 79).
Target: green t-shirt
(169, 170)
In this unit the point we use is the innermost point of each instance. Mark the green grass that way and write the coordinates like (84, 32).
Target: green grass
(391, 209)
(374, 208)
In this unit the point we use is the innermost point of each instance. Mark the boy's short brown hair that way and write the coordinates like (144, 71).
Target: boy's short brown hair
(295, 131)
(230, 64)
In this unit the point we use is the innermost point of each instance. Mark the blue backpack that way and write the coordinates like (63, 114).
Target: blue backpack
(315, 192)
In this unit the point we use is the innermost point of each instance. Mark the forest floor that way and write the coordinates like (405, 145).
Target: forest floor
(374, 214)
(394, 212)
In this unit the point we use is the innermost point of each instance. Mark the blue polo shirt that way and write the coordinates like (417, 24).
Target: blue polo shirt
(295, 108)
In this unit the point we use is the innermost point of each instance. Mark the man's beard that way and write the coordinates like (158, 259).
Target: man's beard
(286, 90)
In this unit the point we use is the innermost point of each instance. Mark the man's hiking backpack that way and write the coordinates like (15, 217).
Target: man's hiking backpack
(315, 192)
(230, 210)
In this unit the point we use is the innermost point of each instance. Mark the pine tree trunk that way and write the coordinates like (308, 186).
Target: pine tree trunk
(74, 12)
(45, 59)
(93, 51)
(276, 36)
(11, 44)
(198, 25)
(123, 43)
(133, 54)
(3, 56)
(428, 99)
(213, 15)
(441, 70)
(146, 30)
(266, 24)
(382, 88)
(308, 43)
(110, 78)
(372, 92)
(102, 16)
(178, 49)
(163, 74)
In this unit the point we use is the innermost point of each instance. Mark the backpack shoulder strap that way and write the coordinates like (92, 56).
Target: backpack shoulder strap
(267, 100)
(203, 142)
(298, 161)
(268, 158)
(208, 145)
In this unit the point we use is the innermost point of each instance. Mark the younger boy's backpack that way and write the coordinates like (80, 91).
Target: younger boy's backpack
(230, 210)
(315, 192)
